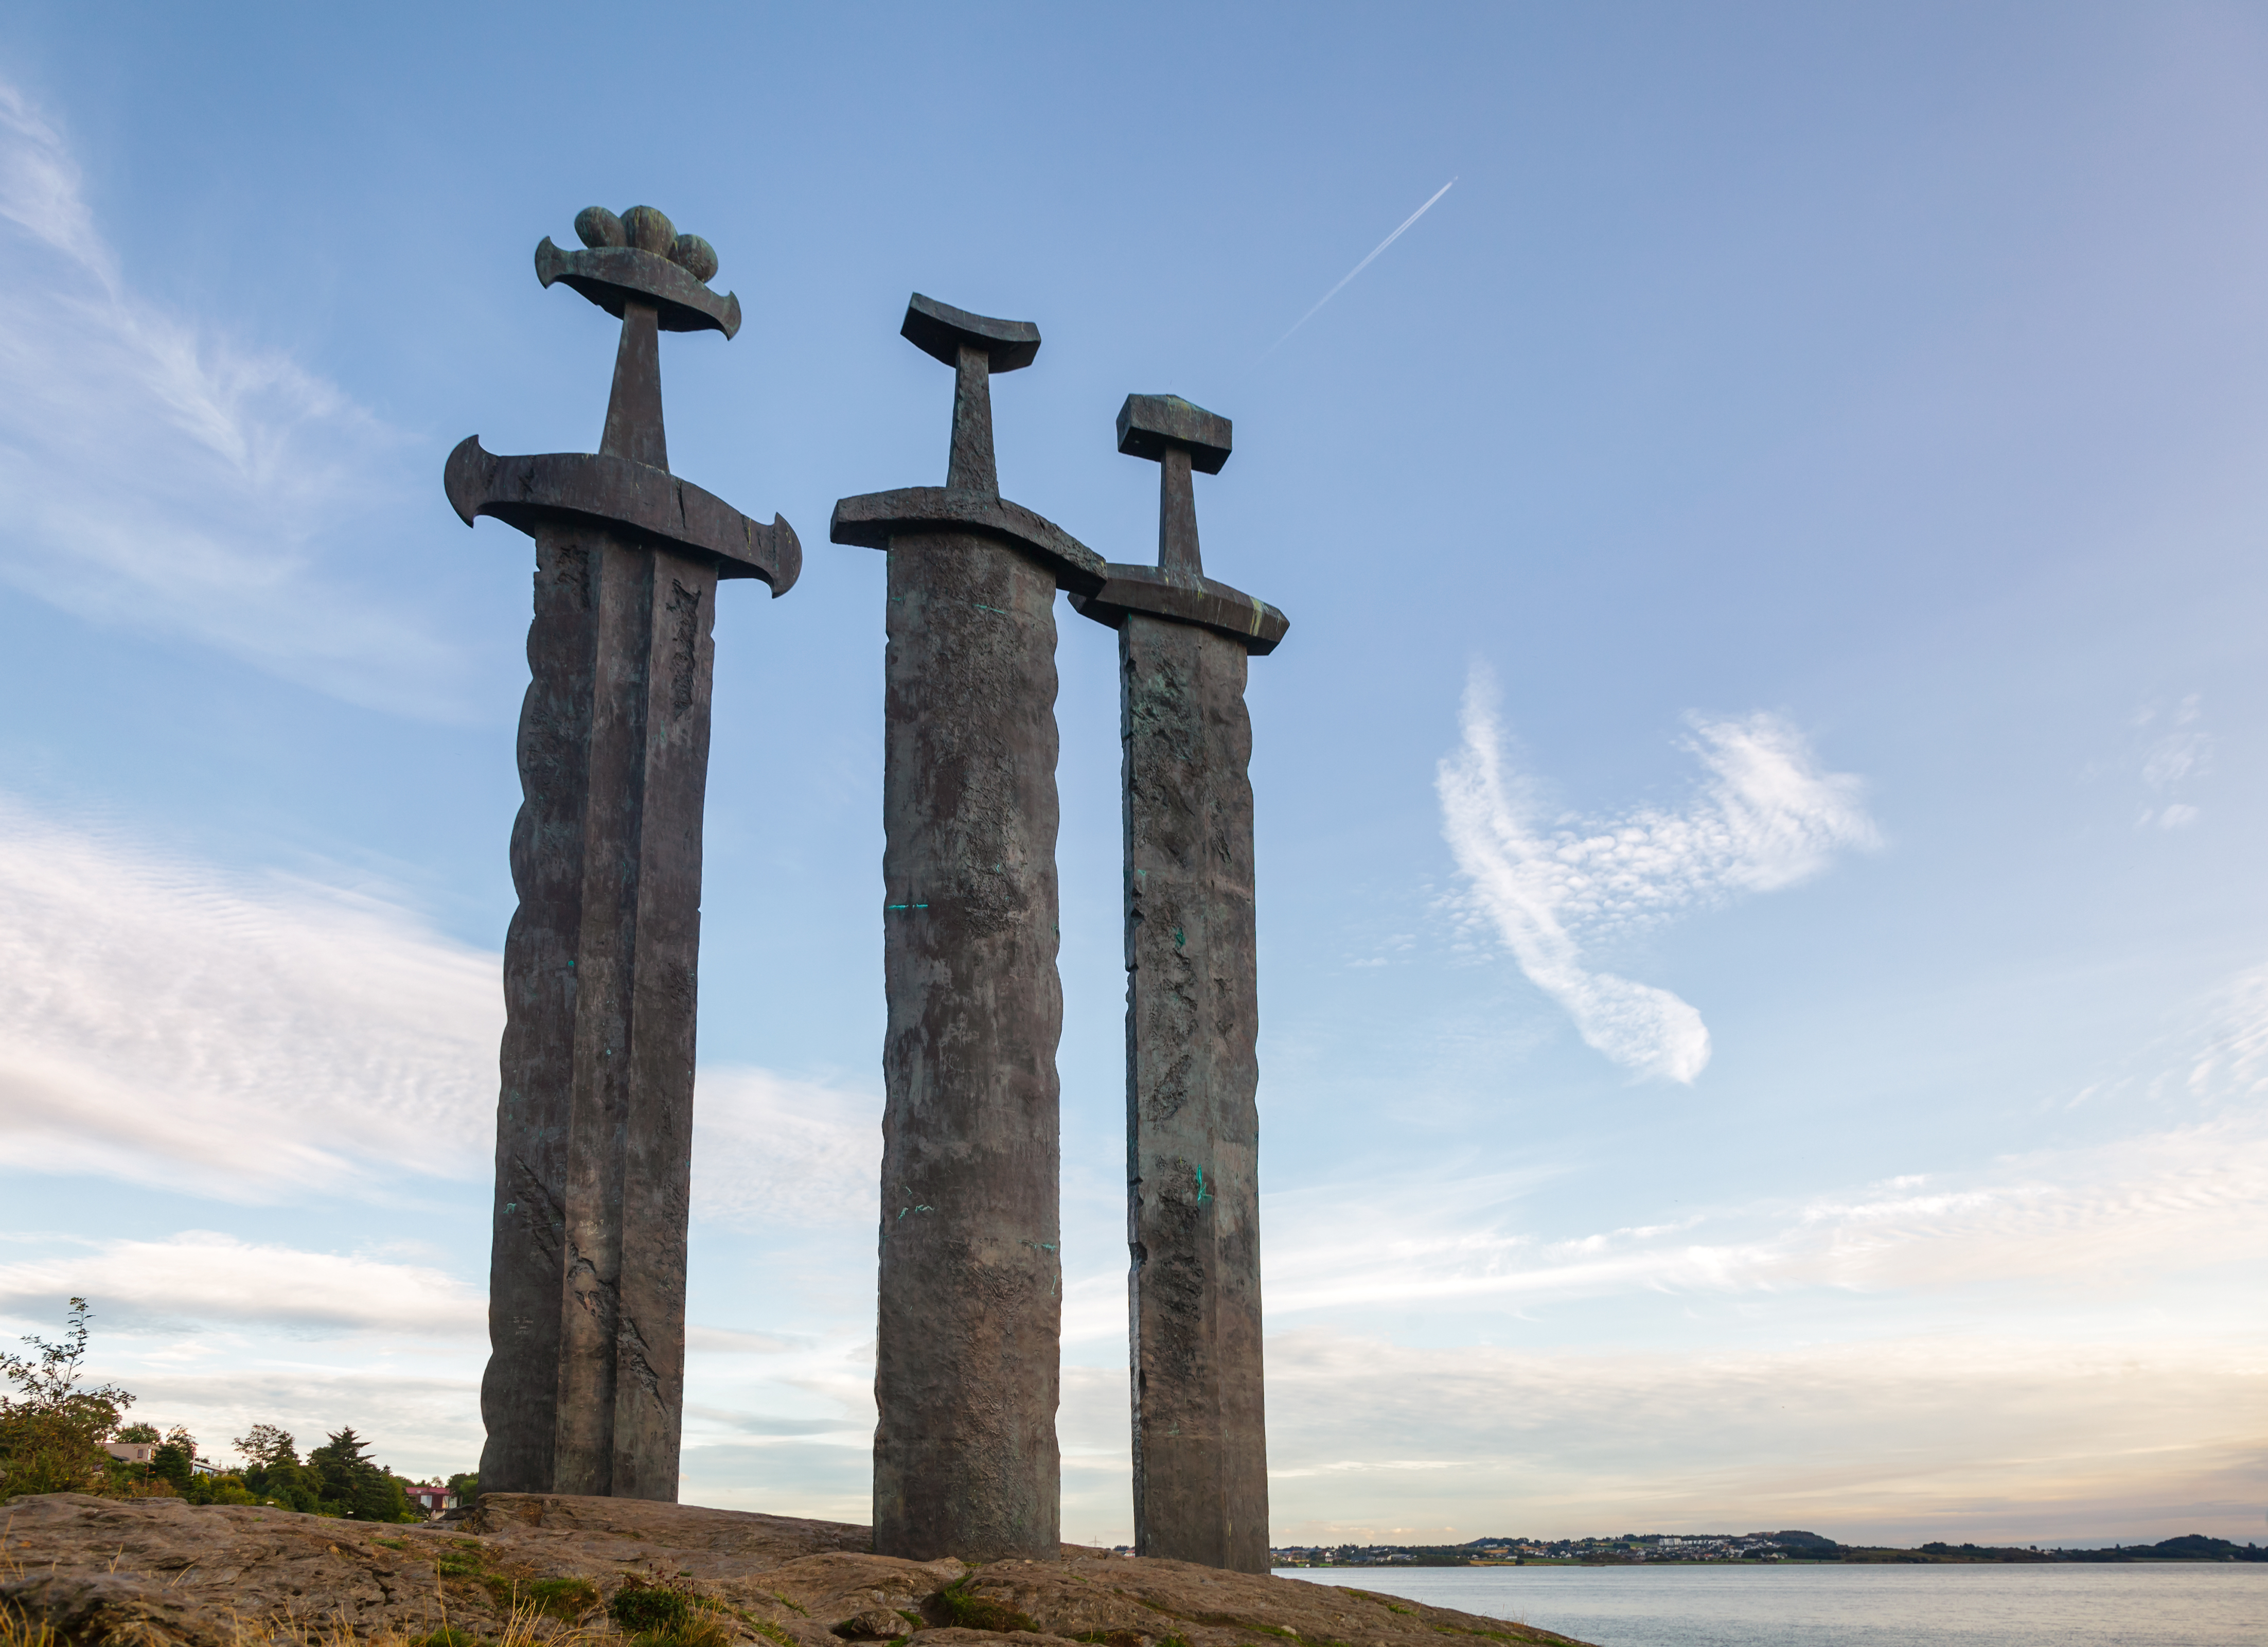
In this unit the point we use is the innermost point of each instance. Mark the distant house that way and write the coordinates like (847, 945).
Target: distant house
(432, 1498)
(143, 1452)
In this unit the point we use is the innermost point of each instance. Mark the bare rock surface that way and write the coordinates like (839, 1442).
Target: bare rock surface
(168, 1574)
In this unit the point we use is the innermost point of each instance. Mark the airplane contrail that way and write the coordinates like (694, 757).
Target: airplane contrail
(1358, 267)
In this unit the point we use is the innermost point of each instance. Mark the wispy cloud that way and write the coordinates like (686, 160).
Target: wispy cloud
(1766, 817)
(2179, 751)
(772, 1151)
(160, 476)
(1366, 264)
(244, 1037)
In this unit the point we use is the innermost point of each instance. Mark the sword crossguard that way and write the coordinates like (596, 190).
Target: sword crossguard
(638, 268)
(1179, 437)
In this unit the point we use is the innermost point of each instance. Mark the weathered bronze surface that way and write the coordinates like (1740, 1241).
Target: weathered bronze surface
(1192, 1016)
(585, 1387)
(969, 1324)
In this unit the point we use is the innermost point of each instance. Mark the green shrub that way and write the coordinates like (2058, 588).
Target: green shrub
(981, 1613)
(567, 1598)
(638, 1605)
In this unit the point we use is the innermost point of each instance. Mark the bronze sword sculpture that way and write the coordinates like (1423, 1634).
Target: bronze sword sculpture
(584, 1388)
(1192, 1016)
(969, 1324)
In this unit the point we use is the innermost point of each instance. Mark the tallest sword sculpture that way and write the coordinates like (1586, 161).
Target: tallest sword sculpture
(585, 1389)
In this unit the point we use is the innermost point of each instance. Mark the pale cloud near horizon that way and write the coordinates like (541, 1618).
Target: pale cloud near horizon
(160, 477)
(202, 1276)
(2102, 1219)
(1766, 817)
(1900, 1437)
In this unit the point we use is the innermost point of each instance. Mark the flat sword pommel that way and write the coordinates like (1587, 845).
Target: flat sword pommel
(1148, 425)
(941, 332)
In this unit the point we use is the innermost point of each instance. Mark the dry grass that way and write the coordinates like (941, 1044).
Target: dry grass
(540, 1612)
(16, 1631)
(529, 1626)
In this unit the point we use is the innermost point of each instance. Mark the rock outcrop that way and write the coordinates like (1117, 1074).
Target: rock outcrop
(530, 1569)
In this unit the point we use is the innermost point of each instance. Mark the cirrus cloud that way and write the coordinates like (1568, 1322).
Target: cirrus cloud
(158, 473)
(1767, 816)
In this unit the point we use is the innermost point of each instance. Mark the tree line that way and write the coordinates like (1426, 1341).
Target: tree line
(53, 1427)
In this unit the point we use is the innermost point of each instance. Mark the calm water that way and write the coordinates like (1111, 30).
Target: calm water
(2175, 1605)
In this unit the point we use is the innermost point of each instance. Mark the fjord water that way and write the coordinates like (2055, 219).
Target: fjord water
(2173, 1603)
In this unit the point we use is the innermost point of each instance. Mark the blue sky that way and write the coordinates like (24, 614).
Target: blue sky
(1765, 954)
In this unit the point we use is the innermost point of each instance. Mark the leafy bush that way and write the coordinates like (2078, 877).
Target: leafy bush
(51, 1430)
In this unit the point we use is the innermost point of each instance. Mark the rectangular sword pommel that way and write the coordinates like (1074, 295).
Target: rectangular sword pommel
(1149, 423)
(940, 330)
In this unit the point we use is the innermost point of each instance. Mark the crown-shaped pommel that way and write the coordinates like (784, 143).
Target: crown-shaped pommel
(1149, 423)
(639, 257)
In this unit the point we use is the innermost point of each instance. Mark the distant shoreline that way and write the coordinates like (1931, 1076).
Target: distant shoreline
(1752, 1549)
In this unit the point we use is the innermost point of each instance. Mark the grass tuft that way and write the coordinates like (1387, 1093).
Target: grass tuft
(981, 1613)
(568, 1598)
(639, 1606)
(706, 1630)
(18, 1629)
